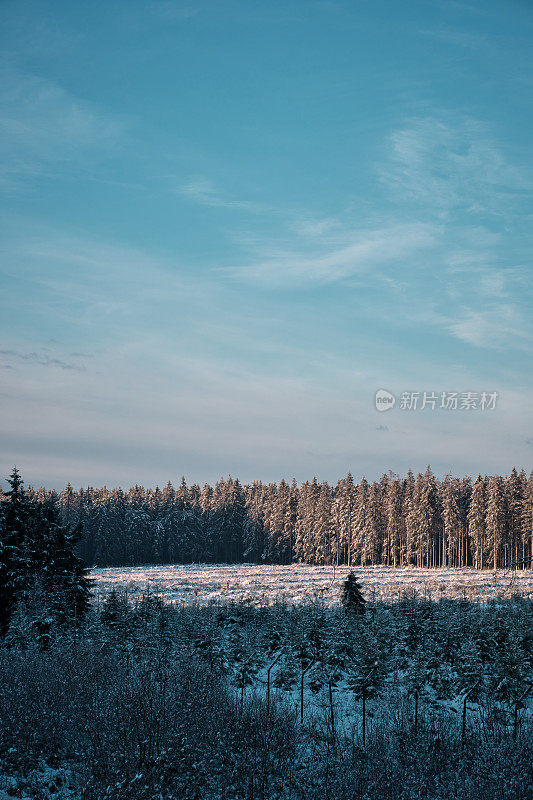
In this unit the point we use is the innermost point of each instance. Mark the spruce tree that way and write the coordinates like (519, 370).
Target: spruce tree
(395, 523)
(13, 535)
(496, 518)
(352, 597)
(476, 522)
(343, 510)
(451, 517)
(527, 523)
(515, 490)
(362, 524)
(38, 564)
(64, 577)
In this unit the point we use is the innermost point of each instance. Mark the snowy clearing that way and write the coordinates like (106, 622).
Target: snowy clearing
(303, 583)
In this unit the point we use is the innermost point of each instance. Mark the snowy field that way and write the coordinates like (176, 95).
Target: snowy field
(303, 583)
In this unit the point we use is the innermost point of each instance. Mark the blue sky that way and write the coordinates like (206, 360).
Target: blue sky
(226, 225)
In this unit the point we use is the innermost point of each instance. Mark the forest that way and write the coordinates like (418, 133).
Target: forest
(135, 699)
(397, 701)
(419, 520)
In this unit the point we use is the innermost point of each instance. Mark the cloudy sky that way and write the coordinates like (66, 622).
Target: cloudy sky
(226, 225)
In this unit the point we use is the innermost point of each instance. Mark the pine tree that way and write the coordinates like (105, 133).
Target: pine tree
(496, 517)
(307, 500)
(395, 523)
(362, 524)
(430, 519)
(206, 508)
(352, 597)
(38, 564)
(64, 577)
(271, 523)
(281, 525)
(476, 522)
(322, 528)
(366, 672)
(449, 492)
(13, 537)
(343, 505)
(375, 528)
(414, 523)
(527, 523)
(515, 491)
(409, 534)
(254, 532)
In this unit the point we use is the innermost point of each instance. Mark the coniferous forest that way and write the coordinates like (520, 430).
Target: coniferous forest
(141, 700)
(484, 523)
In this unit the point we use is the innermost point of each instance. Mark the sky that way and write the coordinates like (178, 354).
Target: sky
(226, 225)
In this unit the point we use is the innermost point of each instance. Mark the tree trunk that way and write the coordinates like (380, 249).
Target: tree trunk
(332, 713)
(364, 717)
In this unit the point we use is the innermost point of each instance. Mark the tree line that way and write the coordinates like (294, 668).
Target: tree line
(397, 521)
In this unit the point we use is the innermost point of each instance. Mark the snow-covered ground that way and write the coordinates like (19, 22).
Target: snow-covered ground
(301, 583)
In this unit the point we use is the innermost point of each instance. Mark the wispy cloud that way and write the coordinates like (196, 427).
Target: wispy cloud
(42, 126)
(348, 254)
(201, 190)
(498, 327)
(85, 267)
(453, 185)
(450, 162)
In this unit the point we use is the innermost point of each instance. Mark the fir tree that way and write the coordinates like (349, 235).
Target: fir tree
(352, 597)
(496, 517)
(451, 522)
(527, 523)
(38, 565)
(515, 490)
(395, 524)
(362, 523)
(13, 535)
(64, 577)
(476, 522)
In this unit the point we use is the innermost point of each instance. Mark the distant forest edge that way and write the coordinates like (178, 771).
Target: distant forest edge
(422, 521)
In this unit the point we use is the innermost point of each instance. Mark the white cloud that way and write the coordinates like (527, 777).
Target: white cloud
(498, 327)
(42, 126)
(450, 162)
(201, 190)
(342, 256)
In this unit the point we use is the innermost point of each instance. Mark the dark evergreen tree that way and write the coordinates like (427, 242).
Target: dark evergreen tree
(52, 560)
(15, 523)
(352, 596)
(38, 564)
